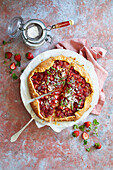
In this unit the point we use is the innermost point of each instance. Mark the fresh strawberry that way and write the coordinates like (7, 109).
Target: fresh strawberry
(98, 145)
(8, 55)
(13, 66)
(87, 124)
(75, 133)
(85, 135)
(29, 56)
(17, 57)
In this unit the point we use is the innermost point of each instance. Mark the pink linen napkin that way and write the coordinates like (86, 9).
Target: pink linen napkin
(92, 54)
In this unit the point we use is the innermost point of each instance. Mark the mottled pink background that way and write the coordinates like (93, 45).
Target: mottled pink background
(44, 149)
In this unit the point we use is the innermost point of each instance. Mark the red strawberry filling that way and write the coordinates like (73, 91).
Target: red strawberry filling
(53, 78)
(49, 103)
(71, 98)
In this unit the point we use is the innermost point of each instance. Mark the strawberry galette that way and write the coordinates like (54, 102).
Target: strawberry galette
(71, 85)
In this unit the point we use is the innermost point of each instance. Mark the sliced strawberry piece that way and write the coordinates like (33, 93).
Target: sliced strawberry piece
(83, 81)
(83, 85)
(46, 97)
(66, 113)
(85, 135)
(35, 86)
(87, 85)
(45, 77)
(62, 114)
(37, 82)
(51, 78)
(61, 97)
(42, 87)
(58, 67)
(34, 77)
(53, 101)
(69, 85)
(71, 68)
(51, 110)
(53, 105)
(54, 65)
(13, 66)
(43, 97)
(35, 74)
(70, 111)
(87, 124)
(86, 94)
(29, 56)
(40, 77)
(75, 133)
(56, 96)
(66, 64)
(61, 63)
(67, 109)
(98, 145)
(61, 107)
(17, 57)
(8, 55)
(75, 105)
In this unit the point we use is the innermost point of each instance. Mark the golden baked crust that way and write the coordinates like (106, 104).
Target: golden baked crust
(46, 65)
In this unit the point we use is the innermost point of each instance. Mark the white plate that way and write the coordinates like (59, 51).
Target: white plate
(43, 56)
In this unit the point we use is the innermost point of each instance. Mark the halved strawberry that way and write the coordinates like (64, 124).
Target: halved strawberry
(29, 56)
(17, 57)
(54, 65)
(87, 124)
(8, 55)
(67, 109)
(71, 68)
(51, 78)
(75, 133)
(34, 77)
(13, 66)
(56, 96)
(35, 86)
(98, 145)
(85, 135)
(53, 105)
(61, 63)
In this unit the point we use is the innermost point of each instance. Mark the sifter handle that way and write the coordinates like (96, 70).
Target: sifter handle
(63, 24)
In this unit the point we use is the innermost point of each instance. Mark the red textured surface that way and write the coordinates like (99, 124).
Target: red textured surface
(43, 148)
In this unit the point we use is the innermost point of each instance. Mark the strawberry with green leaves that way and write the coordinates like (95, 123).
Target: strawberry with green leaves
(29, 56)
(87, 124)
(75, 133)
(17, 57)
(8, 55)
(98, 145)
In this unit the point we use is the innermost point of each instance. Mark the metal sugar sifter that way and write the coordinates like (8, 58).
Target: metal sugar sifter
(34, 32)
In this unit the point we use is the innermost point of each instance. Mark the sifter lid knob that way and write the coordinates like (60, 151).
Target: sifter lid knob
(15, 27)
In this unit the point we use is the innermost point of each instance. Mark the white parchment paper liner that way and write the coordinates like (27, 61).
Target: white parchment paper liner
(58, 126)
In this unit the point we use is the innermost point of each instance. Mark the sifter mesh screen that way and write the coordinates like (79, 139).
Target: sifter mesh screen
(34, 32)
